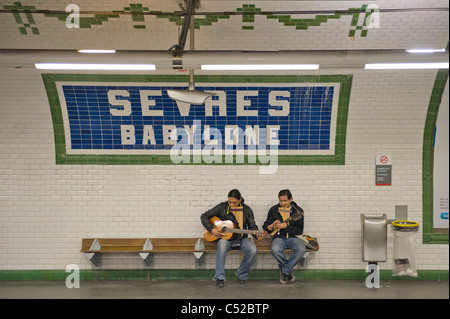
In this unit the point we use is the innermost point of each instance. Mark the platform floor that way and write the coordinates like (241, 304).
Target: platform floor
(206, 289)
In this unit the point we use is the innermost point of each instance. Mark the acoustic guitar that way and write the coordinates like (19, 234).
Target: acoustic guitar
(294, 217)
(226, 227)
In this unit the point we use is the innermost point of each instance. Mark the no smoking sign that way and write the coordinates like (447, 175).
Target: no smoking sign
(383, 170)
(384, 160)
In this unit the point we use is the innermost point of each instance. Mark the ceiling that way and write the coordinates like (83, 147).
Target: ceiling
(250, 27)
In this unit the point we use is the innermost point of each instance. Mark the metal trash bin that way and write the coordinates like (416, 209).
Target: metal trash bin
(374, 238)
(404, 262)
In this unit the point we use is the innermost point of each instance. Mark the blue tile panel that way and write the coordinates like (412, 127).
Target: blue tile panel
(94, 127)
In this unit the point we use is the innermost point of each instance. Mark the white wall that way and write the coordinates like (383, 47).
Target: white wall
(46, 209)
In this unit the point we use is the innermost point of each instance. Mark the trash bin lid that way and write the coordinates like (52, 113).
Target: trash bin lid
(405, 225)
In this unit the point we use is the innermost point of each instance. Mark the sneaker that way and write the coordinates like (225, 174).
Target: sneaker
(220, 283)
(241, 281)
(284, 278)
(291, 277)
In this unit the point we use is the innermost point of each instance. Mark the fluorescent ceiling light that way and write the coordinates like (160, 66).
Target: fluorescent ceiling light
(251, 67)
(94, 66)
(425, 50)
(97, 51)
(404, 66)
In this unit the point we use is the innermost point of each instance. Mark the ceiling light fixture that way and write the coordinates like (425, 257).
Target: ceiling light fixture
(425, 50)
(94, 66)
(97, 51)
(405, 66)
(259, 67)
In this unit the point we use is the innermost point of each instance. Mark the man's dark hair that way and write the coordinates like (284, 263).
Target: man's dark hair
(236, 194)
(285, 192)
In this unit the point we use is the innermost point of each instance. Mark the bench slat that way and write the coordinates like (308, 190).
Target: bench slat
(114, 242)
(170, 242)
(135, 245)
(86, 243)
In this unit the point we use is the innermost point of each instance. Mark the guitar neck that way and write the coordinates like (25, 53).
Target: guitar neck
(240, 231)
(295, 217)
(292, 217)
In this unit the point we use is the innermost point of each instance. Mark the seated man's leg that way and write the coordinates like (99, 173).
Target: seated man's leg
(298, 250)
(249, 250)
(223, 246)
(278, 246)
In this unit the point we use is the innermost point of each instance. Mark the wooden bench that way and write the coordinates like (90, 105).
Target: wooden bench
(94, 248)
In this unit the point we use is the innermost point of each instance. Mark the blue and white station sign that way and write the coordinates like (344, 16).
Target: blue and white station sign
(139, 118)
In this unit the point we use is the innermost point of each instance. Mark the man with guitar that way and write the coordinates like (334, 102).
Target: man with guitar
(229, 223)
(284, 222)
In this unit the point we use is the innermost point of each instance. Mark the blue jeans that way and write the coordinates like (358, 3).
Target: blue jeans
(248, 247)
(279, 244)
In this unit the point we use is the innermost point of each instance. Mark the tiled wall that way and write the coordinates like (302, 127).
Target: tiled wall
(46, 208)
(48, 205)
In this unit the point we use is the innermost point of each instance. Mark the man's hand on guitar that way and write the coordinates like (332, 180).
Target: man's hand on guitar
(217, 233)
(276, 226)
(259, 235)
(272, 226)
(281, 225)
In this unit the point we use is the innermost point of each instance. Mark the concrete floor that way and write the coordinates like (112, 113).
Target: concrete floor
(205, 289)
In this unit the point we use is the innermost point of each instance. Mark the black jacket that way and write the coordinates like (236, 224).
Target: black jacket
(220, 211)
(293, 229)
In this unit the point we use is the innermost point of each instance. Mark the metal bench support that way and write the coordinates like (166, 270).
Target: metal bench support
(95, 258)
(147, 257)
(199, 256)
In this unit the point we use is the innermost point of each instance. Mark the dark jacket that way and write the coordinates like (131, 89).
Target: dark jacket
(294, 228)
(220, 211)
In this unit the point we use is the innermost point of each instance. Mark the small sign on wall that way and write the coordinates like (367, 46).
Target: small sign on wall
(383, 171)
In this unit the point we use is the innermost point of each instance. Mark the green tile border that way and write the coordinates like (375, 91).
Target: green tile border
(58, 125)
(204, 274)
(138, 12)
(429, 234)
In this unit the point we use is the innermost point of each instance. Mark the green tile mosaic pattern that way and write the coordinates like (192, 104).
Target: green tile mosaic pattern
(338, 158)
(138, 13)
(26, 25)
